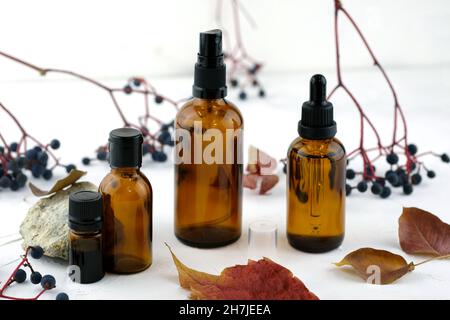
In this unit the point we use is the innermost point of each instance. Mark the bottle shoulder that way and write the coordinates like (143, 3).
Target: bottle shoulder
(118, 183)
(329, 148)
(219, 113)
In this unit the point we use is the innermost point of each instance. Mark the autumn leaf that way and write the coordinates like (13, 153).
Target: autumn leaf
(368, 263)
(70, 179)
(258, 280)
(268, 182)
(261, 168)
(421, 232)
(250, 181)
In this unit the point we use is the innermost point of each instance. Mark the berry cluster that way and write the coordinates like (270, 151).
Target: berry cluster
(155, 142)
(234, 83)
(405, 177)
(155, 139)
(19, 275)
(243, 70)
(18, 157)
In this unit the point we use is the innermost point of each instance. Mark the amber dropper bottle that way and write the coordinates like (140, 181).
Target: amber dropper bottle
(316, 177)
(85, 236)
(127, 203)
(208, 185)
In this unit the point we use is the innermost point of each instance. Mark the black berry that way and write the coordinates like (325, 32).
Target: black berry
(70, 167)
(386, 192)
(412, 149)
(20, 276)
(102, 155)
(262, 93)
(127, 89)
(14, 146)
(55, 144)
(376, 188)
(392, 158)
(348, 189)
(36, 252)
(48, 174)
(234, 83)
(362, 186)
(86, 161)
(242, 95)
(62, 296)
(350, 174)
(392, 177)
(159, 99)
(416, 179)
(431, 174)
(48, 282)
(445, 158)
(159, 156)
(35, 278)
(407, 189)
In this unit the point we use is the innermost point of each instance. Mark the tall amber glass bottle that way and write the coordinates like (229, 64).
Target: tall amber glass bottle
(208, 160)
(316, 177)
(127, 206)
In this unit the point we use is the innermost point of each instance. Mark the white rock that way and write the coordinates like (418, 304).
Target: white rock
(46, 222)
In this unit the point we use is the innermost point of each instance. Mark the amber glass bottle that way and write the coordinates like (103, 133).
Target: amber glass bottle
(208, 185)
(316, 177)
(127, 202)
(85, 236)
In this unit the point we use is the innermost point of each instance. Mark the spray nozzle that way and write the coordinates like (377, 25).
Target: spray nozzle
(211, 43)
(210, 73)
(317, 114)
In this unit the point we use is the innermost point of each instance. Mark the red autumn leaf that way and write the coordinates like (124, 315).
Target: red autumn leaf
(268, 182)
(421, 232)
(258, 280)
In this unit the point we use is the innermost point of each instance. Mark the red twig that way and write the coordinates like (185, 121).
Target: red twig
(23, 263)
(239, 62)
(361, 150)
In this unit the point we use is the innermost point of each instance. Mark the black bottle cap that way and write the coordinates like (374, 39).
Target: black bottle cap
(125, 148)
(85, 211)
(210, 70)
(317, 114)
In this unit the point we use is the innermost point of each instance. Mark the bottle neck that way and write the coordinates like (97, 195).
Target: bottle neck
(125, 170)
(89, 233)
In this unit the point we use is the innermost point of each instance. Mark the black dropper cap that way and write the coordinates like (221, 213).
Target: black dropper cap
(317, 114)
(210, 70)
(125, 148)
(85, 211)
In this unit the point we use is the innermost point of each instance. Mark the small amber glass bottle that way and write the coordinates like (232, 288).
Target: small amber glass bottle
(127, 202)
(316, 177)
(85, 236)
(208, 192)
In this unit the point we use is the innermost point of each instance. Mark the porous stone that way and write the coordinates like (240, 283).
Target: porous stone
(46, 222)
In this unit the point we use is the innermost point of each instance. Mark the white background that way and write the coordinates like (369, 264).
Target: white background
(112, 40)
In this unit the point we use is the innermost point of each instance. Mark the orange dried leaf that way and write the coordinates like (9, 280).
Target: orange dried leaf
(378, 266)
(258, 280)
(421, 232)
(70, 179)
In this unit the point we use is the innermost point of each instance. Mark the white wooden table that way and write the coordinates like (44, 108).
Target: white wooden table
(81, 117)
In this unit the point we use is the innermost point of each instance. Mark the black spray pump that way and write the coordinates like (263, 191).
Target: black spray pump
(317, 114)
(210, 71)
